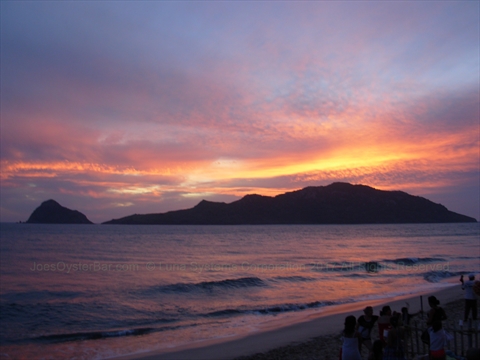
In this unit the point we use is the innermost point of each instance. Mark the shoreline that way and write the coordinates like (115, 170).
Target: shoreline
(277, 335)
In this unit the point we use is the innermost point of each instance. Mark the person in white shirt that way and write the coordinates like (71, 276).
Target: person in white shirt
(470, 297)
(350, 348)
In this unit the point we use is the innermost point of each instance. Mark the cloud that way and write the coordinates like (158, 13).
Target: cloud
(146, 103)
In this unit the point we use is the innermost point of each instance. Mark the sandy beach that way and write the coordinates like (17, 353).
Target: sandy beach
(315, 337)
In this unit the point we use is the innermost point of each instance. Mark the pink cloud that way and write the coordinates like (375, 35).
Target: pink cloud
(218, 100)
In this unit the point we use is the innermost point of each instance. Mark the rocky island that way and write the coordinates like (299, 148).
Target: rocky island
(51, 212)
(338, 203)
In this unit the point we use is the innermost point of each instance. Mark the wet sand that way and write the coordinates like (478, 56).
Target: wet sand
(314, 337)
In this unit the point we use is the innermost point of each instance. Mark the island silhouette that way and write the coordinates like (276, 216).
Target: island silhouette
(338, 203)
(51, 212)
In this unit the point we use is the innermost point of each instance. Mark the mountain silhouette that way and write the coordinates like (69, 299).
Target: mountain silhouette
(338, 203)
(51, 212)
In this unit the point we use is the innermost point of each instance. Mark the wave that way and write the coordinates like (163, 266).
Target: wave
(375, 266)
(348, 266)
(338, 266)
(293, 278)
(100, 334)
(437, 276)
(211, 285)
(293, 307)
(227, 312)
(467, 257)
(414, 260)
(271, 310)
(95, 335)
(359, 276)
(104, 334)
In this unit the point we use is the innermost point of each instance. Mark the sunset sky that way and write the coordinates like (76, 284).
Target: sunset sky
(114, 108)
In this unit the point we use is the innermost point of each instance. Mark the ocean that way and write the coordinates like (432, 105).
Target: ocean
(100, 291)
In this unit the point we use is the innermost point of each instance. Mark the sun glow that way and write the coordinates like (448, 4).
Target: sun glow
(229, 109)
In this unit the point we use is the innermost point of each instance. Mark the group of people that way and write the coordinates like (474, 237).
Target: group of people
(358, 333)
(392, 327)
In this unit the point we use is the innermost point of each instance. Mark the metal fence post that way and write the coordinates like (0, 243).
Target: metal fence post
(455, 338)
(469, 334)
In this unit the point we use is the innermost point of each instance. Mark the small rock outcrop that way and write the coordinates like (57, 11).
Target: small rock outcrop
(51, 212)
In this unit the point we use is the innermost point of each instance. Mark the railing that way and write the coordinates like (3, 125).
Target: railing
(464, 338)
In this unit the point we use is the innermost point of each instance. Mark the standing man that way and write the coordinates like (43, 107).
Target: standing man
(470, 297)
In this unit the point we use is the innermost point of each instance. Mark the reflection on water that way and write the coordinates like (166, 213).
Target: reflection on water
(95, 291)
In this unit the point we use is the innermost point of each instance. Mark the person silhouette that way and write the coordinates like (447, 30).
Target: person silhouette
(436, 313)
(438, 341)
(365, 325)
(394, 343)
(384, 322)
(350, 348)
(470, 297)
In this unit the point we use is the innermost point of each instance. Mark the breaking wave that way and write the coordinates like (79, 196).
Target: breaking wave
(211, 285)
(275, 309)
(437, 276)
(414, 260)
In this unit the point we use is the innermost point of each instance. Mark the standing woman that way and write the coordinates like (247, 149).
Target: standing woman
(436, 313)
(350, 349)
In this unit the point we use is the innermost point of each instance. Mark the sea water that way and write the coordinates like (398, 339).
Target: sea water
(99, 291)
